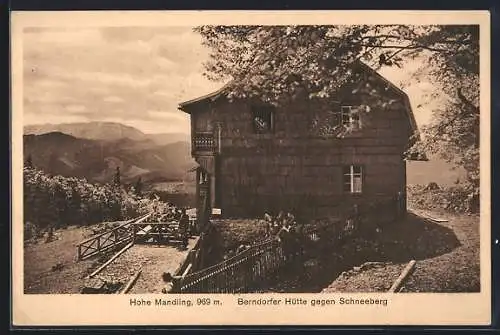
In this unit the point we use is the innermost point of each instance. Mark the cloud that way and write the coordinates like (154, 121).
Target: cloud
(134, 75)
(113, 73)
(76, 108)
(113, 98)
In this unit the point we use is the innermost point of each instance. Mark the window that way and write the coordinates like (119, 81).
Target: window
(263, 119)
(350, 116)
(353, 179)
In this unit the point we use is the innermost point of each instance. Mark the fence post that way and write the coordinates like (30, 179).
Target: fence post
(134, 232)
(79, 252)
(176, 285)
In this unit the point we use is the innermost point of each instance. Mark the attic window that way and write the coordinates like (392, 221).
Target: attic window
(350, 117)
(263, 119)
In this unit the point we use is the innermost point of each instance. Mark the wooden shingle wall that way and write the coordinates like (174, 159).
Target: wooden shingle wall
(298, 167)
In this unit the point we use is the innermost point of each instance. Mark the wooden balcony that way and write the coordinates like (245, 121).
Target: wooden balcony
(204, 142)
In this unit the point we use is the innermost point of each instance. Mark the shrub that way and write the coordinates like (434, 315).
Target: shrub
(57, 202)
(457, 198)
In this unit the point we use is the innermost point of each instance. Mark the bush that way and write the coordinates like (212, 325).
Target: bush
(57, 202)
(457, 198)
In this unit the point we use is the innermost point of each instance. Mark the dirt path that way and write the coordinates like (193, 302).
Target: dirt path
(447, 255)
(152, 259)
(39, 258)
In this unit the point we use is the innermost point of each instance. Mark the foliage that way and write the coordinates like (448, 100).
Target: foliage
(117, 177)
(457, 198)
(29, 161)
(279, 63)
(138, 187)
(56, 202)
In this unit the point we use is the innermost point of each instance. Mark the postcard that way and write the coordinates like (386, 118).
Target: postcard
(250, 168)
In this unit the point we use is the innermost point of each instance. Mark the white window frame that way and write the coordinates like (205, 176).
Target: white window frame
(352, 175)
(352, 115)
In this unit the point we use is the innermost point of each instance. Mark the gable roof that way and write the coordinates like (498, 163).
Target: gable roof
(183, 106)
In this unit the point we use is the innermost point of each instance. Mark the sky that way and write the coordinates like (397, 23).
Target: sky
(133, 75)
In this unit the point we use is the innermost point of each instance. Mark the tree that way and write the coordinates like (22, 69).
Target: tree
(117, 178)
(138, 187)
(29, 162)
(276, 63)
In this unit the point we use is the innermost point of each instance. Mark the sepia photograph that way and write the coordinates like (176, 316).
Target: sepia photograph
(185, 159)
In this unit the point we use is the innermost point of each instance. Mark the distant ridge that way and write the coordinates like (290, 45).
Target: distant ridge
(107, 131)
(89, 130)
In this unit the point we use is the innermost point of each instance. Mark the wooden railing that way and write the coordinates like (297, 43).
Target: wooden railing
(236, 274)
(158, 231)
(204, 142)
(108, 240)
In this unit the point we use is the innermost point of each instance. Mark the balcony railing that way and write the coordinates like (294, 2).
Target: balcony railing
(204, 142)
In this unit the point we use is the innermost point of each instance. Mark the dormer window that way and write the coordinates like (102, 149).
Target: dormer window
(263, 119)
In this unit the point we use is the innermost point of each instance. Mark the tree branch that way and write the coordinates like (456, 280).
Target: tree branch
(401, 38)
(467, 102)
(407, 47)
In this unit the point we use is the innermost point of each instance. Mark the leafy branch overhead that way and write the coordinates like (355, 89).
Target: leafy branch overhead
(277, 63)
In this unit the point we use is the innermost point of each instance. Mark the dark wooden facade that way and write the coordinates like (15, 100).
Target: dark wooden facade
(305, 162)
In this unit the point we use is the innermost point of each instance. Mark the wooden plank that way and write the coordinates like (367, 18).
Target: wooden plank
(144, 230)
(111, 260)
(79, 252)
(166, 223)
(430, 217)
(188, 268)
(403, 276)
(131, 282)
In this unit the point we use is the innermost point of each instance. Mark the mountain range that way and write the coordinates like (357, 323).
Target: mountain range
(105, 131)
(93, 150)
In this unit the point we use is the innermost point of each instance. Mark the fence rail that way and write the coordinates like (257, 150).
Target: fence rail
(236, 274)
(108, 240)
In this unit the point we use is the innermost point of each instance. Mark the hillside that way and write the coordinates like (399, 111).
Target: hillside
(96, 160)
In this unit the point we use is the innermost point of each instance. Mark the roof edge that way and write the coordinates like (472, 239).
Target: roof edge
(212, 96)
(411, 117)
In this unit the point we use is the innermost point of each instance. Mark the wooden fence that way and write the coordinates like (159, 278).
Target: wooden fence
(236, 274)
(108, 240)
(239, 273)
